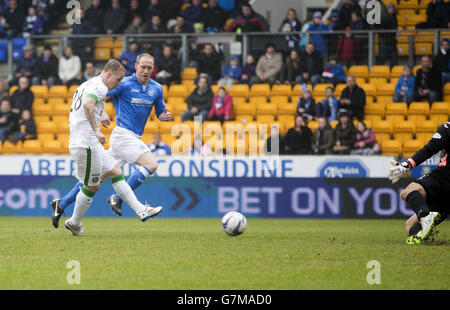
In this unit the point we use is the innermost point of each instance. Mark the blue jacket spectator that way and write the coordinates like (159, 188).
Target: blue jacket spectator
(129, 57)
(319, 40)
(25, 65)
(194, 13)
(405, 86)
(249, 70)
(334, 72)
(327, 107)
(158, 147)
(231, 73)
(33, 23)
(290, 24)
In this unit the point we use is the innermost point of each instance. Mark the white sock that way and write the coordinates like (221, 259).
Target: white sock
(145, 172)
(82, 203)
(126, 193)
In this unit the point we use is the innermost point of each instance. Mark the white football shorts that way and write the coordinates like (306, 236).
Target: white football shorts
(126, 146)
(91, 164)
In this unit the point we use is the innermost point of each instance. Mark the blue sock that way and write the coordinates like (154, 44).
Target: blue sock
(137, 178)
(70, 196)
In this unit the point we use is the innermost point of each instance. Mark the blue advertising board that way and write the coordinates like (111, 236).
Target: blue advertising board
(213, 197)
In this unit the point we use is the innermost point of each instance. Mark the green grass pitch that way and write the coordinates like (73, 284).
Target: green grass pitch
(123, 253)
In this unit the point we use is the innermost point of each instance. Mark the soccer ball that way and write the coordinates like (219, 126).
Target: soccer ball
(234, 223)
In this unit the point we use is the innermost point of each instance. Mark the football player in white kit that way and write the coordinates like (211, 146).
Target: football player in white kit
(92, 161)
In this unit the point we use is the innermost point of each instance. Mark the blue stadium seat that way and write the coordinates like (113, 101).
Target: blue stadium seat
(4, 43)
(18, 43)
(17, 54)
(3, 53)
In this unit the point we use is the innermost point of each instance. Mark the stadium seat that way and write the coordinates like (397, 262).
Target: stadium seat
(410, 147)
(377, 81)
(10, 148)
(238, 100)
(404, 131)
(260, 90)
(42, 109)
(360, 71)
(240, 90)
(52, 146)
(246, 108)
(423, 48)
(62, 127)
(178, 91)
(319, 90)
(412, 20)
(396, 111)
(386, 89)
(71, 90)
(32, 146)
(189, 73)
(244, 118)
(279, 100)
(116, 51)
(391, 147)
(439, 112)
(57, 91)
(39, 91)
(396, 71)
(102, 53)
(383, 129)
(418, 111)
(374, 111)
(104, 42)
(47, 127)
(41, 118)
(424, 3)
(380, 71)
(281, 90)
(369, 89)
(338, 90)
(402, 49)
(416, 68)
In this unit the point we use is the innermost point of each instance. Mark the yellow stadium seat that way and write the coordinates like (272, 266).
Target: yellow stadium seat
(386, 89)
(412, 20)
(104, 42)
(287, 120)
(258, 100)
(116, 51)
(39, 91)
(42, 109)
(377, 81)
(244, 118)
(286, 108)
(391, 147)
(12, 89)
(61, 109)
(41, 118)
(151, 127)
(178, 91)
(281, 90)
(423, 48)
(175, 100)
(55, 100)
(446, 89)
(416, 68)
(240, 90)
(245, 108)
(383, 129)
(10, 148)
(60, 118)
(418, 111)
(238, 100)
(424, 3)
(360, 71)
(189, 73)
(369, 89)
(396, 71)
(102, 53)
(319, 90)
(57, 91)
(404, 131)
(47, 127)
(52, 146)
(405, 13)
(410, 147)
(439, 112)
(63, 127)
(408, 4)
(338, 90)
(260, 90)
(32, 146)
(396, 111)
(279, 100)
(380, 71)
(374, 111)
(402, 49)
(313, 125)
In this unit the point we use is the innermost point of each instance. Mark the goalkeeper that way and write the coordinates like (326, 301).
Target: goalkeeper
(428, 195)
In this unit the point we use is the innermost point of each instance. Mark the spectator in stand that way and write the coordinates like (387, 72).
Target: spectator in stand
(12, 20)
(437, 11)
(156, 25)
(269, 66)
(27, 128)
(249, 70)
(128, 58)
(274, 143)
(84, 47)
(199, 148)
(32, 23)
(89, 72)
(158, 147)
(306, 105)
(319, 40)
(323, 138)
(387, 42)
(346, 11)
(193, 13)
(327, 107)
(353, 99)
(298, 139)
(344, 134)
(180, 26)
(46, 68)
(9, 121)
(133, 10)
(199, 101)
(115, 18)
(334, 22)
(215, 17)
(69, 67)
(404, 89)
(231, 73)
(155, 8)
(311, 65)
(95, 14)
(22, 98)
(45, 17)
(249, 21)
(25, 65)
(168, 67)
(365, 143)
(334, 72)
(209, 63)
(346, 46)
(222, 107)
(358, 23)
(428, 84)
(4, 91)
(137, 26)
(290, 72)
(291, 24)
(441, 60)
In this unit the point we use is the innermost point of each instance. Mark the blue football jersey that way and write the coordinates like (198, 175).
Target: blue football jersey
(134, 103)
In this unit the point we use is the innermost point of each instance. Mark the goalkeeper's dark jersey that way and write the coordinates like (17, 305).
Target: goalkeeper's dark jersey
(439, 142)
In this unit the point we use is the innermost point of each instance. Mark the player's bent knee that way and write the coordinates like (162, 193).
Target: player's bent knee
(116, 171)
(94, 188)
(412, 187)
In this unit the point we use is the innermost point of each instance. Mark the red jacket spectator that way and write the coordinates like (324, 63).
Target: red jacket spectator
(345, 48)
(221, 109)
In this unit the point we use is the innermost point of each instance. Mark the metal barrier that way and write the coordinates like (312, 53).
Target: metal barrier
(371, 47)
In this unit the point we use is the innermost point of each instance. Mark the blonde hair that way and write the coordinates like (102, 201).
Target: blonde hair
(113, 65)
(145, 55)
